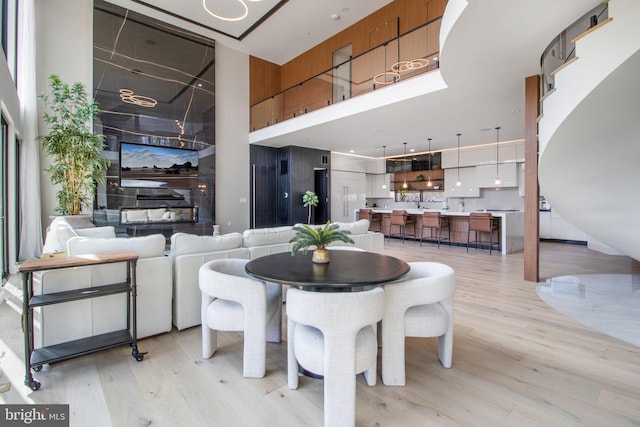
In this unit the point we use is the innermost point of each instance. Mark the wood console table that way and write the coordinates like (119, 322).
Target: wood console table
(35, 358)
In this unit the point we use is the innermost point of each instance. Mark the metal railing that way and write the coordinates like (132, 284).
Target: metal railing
(562, 49)
(408, 55)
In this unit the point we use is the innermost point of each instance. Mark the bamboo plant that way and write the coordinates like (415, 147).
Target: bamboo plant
(77, 163)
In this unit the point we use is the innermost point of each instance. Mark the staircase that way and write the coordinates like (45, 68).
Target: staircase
(589, 133)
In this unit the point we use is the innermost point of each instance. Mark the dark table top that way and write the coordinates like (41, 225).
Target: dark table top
(346, 269)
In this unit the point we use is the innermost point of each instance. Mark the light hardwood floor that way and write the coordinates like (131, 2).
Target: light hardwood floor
(516, 362)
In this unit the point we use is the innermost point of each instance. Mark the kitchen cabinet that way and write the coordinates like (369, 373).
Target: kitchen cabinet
(486, 175)
(553, 226)
(348, 192)
(545, 225)
(469, 187)
(484, 155)
(375, 183)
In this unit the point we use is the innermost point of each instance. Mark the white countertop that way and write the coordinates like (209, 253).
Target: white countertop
(451, 212)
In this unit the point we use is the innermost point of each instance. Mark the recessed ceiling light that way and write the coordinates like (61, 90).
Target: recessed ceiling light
(335, 17)
(412, 150)
(351, 151)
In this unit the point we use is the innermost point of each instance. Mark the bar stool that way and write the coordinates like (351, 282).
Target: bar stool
(373, 218)
(434, 221)
(398, 219)
(483, 222)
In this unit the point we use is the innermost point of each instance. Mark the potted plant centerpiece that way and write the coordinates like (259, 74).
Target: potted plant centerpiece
(319, 236)
(77, 163)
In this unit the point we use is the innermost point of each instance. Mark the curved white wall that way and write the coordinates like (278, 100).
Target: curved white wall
(590, 134)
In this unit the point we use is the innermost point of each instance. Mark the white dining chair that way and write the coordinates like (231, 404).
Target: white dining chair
(418, 305)
(333, 334)
(234, 301)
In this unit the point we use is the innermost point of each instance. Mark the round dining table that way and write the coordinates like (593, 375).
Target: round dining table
(346, 271)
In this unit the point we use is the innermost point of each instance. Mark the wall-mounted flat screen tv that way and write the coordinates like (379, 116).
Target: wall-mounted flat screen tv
(153, 166)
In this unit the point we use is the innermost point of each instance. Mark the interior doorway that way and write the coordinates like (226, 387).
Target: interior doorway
(321, 188)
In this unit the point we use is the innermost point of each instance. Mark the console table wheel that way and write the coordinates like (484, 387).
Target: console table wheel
(32, 384)
(138, 356)
(37, 368)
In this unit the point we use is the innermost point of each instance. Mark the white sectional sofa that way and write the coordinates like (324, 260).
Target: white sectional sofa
(189, 252)
(73, 320)
(168, 289)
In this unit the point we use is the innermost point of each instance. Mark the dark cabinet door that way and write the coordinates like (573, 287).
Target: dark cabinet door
(263, 186)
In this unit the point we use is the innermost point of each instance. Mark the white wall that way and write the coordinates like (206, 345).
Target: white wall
(232, 139)
(64, 46)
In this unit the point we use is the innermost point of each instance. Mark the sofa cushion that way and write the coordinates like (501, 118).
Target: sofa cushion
(135, 215)
(58, 233)
(156, 214)
(267, 236)
(358, 227)
(105, 231)
(183, 243)
(145, 246)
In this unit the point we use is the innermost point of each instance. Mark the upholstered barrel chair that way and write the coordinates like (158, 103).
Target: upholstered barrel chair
(234, 301)
(333, 334)
(419, 305)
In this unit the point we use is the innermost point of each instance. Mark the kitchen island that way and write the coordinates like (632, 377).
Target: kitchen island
(510, 229)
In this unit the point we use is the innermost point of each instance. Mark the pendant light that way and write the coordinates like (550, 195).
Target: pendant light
(384, 159)
(429, 183)
(458, 182)
(497, 182)
(404, 185)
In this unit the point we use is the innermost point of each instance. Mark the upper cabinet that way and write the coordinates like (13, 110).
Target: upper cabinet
(379, 186)
(486, 175)
(468, 179)
(484, 155)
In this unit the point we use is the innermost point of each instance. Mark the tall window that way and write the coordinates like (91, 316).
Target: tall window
(3, 25)
(4, 232)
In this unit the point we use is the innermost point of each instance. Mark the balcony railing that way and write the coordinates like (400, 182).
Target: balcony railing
(408, 55)
(562, 48)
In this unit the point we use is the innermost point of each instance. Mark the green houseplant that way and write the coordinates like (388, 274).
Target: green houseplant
(310, 200)
(319, 236)
(77, 163)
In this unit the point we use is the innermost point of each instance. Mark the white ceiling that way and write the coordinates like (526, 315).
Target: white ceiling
(490, 50)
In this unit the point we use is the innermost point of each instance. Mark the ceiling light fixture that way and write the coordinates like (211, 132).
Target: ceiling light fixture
(429, 183)
(404, 184)
(384, 160)
(128, 96)
(458, 182)
(228, 18)
(497, 182)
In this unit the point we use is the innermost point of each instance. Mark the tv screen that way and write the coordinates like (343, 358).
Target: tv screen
(152, 166)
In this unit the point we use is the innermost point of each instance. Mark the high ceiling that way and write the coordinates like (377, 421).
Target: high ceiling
(489, 51)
